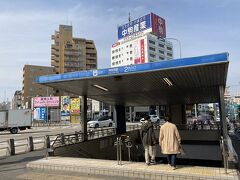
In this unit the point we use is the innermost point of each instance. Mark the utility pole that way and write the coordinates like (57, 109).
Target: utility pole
(47, 108)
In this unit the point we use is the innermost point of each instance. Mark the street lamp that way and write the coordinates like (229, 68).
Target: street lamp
(179, 43)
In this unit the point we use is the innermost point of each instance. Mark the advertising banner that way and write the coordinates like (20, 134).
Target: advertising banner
(40, 114)
(148, 23)
(75, 106)
(139, 51)
(136, 26)
(65, 108)
(52, 101)
(142, 51)
(158, 26)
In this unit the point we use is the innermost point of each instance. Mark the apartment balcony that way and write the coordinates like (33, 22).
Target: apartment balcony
(54, 46)
(54, 58)
(54, 52)
(91, 62)
(72, 53)
(93, 51)
(53, 37)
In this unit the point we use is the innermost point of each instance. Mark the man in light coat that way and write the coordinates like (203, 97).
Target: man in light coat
(170, 141)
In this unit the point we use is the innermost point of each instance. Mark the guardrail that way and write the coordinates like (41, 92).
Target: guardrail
(12, 147)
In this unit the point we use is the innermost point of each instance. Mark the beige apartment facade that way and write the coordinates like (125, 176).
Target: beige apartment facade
(30, 88)
(70, 54)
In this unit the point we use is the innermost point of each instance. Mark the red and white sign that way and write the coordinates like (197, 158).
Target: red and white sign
(158, 26)
(142, 51)
(52, 101)
(139, 51)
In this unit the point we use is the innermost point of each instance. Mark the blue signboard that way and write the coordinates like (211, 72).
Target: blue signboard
(40, 114)
(135, 26)
(184, 62)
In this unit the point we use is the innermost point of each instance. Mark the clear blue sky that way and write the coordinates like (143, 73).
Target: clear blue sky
(202, 26)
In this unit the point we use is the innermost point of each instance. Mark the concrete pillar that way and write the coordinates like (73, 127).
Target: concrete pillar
(30, 143)
(84, 117)
(130, 114)
(222, 112)
(11, 147)
(176, 112)
(76, 136)
(184, 118)
(158, 112)
(62, 138)
(120, 120)
(47, 141)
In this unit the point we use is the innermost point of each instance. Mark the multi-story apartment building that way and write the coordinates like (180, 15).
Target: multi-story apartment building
(17, 100)
(143, 49)
(70, 53)
(30, 88)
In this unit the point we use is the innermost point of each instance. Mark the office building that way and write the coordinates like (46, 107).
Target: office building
(143, 49)
(140, 41)
(30, 88)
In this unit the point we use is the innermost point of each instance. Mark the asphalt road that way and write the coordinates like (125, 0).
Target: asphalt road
(42, 131)
(39, 131)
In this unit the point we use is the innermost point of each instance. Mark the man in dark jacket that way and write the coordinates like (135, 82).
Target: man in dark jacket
(148, 139)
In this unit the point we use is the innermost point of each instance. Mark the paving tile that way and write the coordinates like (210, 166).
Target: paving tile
(129, 169)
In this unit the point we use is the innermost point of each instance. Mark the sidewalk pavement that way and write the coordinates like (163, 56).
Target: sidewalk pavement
(136, 170)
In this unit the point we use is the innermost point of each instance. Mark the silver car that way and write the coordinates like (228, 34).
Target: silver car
(103, 121)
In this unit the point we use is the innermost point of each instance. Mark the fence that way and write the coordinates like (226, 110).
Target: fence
(12, 147)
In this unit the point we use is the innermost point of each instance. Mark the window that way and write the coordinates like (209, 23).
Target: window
(119, 55)
(151, 42)
(169, 54)
(161, 45)
(152, 55)
(113, 63)
(113, 57)
(130, 45)
(169, 48)
(131, 58)
(161, 52)
(162, 58)
(112, 51)
(130, 52)
(152, 49)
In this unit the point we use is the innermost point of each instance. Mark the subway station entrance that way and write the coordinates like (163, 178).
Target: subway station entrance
(173, 83)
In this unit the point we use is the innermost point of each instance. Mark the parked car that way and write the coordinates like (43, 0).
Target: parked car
(154, 119)
(103, 121)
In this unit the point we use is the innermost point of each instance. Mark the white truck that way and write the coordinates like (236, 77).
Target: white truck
(15, 119)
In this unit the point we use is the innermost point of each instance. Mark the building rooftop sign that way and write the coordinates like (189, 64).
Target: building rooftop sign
(148, 23)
